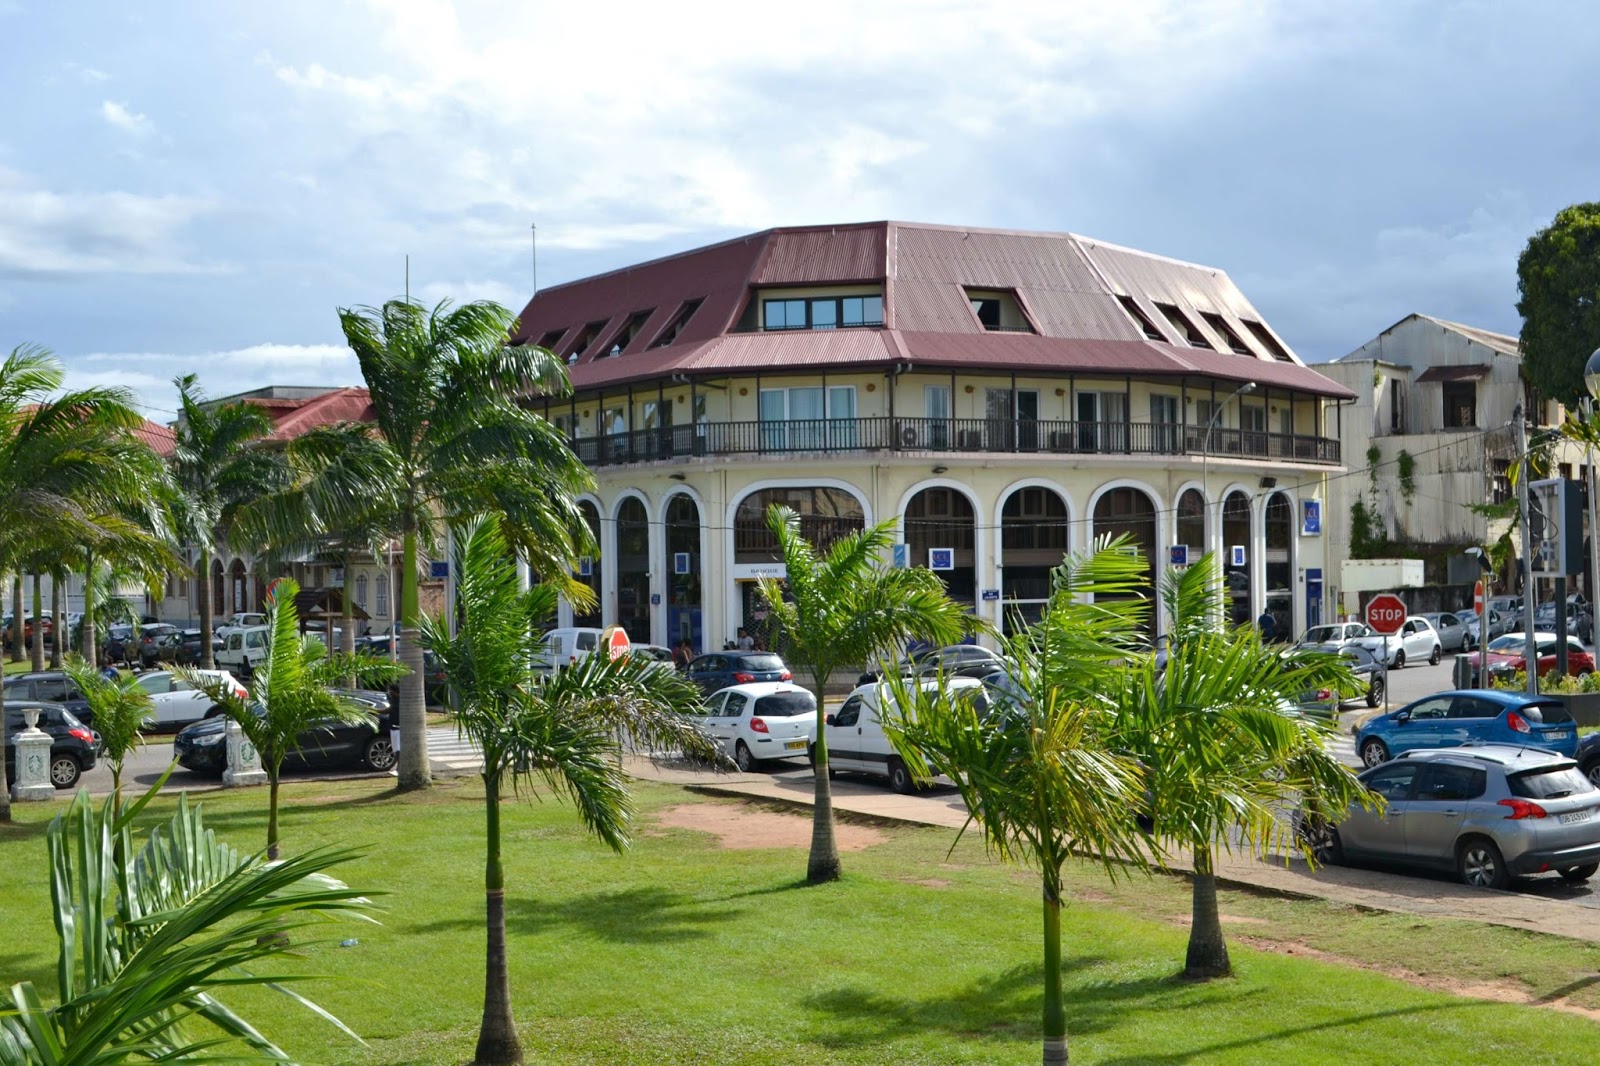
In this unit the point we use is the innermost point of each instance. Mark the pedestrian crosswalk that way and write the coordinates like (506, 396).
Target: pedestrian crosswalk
(1342, 746)
(449, 752)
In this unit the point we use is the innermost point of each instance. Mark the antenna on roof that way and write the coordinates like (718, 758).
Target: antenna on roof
(533, 229)
(408, 277)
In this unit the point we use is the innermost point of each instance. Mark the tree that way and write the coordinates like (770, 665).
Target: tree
(119, 706)
(290, 692)
(843, 607)
(560, 728)
(1033, 759)
(445, 387)
(62, 453)
(150, 938)
(217, 467)
(1558, 287)
(1223, 748)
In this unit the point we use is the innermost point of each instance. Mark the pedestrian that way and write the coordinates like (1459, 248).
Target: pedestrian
(1268, 626)
(683, 655)
(746, 642)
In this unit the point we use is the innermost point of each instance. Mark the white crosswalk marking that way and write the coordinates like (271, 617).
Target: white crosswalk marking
(449, 751)
(1342, 746)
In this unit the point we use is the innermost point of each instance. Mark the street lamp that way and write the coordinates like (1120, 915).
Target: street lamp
(1591, 381)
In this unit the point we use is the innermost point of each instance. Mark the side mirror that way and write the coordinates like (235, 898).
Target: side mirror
(827, 719)
(1402, 717)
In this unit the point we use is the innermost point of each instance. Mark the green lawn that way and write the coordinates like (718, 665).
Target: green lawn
(684, 952)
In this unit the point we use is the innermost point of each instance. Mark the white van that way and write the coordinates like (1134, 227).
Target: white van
(242, 649)
(567, 647)
(855, 733)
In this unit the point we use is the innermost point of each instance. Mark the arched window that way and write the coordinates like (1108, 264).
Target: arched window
(826, 514)
(361, 592)
(383, 596)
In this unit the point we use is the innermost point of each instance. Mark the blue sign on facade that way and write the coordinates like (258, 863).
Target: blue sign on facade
(1178, 555)
(438, 570)
(902, 556)
(991, 594)
(680, 562)
(1311, 518)
(1238, 555)
(941, 558)
(655, 599)
(585, 567)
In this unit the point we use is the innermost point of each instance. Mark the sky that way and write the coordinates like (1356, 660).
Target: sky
(198, 187)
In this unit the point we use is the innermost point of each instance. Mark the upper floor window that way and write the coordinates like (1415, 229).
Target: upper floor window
(1220, 327)
(1136, 313)
(822, 312)
(1184, 326)
(1460, 404)
(551, 339)
(679, 320)
(1397, 406)
(586, 339)
(1265, 338)
(625, 335)
(998, 311)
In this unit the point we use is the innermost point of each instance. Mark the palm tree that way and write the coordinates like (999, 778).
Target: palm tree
(444, 387)
(1223, 748)
(150, 938)
(217, 467)
(120, 707)
(290, 692)
(843, 607)
(1033, 759)
(62, 455)
(560, 728)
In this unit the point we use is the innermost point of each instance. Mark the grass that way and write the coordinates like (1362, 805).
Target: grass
(682, 952)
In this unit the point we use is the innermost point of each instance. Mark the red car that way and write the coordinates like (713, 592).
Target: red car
(1507, 655)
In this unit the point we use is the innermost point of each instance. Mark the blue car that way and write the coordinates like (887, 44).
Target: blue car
(1467, 717)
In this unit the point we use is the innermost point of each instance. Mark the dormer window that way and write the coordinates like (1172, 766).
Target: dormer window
(626, 334)
(1184, 326)
(822, 312)
(551, 339)
(679, 320)
(998, 311)
(1268, 341)
(1141, 319)
(586, 337)
(1220, 327)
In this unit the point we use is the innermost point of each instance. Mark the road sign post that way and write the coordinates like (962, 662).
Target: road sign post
(1385, 614)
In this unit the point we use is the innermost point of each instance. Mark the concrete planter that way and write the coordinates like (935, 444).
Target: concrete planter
(1584, 707)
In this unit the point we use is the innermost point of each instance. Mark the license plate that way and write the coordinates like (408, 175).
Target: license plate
(1575, 816)
(795, 745)
(1562, 734)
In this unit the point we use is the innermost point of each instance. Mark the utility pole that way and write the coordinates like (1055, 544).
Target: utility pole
(1530, 645)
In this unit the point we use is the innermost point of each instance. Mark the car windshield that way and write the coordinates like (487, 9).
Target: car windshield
(1551, 782)
(1359, 656)
(1511, 642)
(760, 662)
(1322, 635)
(1552, 713)
(648, 653)
(785, 704)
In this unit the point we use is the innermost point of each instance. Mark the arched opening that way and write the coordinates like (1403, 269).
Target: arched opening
(685, 619)
(1236, 556)
(1192, 523)
(236, 581)
(826, 514)
(1280, 563)
(1034, 527)
(633, 569)
(942, 534)
(1130, 512)
(589, 569)
(219, 589)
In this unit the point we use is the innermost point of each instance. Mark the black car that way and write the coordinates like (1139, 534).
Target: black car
(74, 747)
(158, 643)
(189, 644)
(115, 648)
(957, 660)
(1370, 672)
(202, 746)
(719, 669)
(50, 686)
(1589, 756)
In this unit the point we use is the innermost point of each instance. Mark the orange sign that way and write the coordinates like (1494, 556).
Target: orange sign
(616, 642)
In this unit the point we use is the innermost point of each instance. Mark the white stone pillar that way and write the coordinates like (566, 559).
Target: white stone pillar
(33, 760)
(244, 762)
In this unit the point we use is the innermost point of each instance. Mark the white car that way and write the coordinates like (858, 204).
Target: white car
(238, 620)
(242, 649)
(760, 721)
(1417, 641)
(175, 702)
(856, 741)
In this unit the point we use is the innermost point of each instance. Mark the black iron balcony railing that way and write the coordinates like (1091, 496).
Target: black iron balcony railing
(994, 435)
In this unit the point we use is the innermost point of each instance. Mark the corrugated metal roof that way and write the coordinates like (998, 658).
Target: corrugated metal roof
(337, 405)
(835, 253)
(1500, 342)
(158, 438)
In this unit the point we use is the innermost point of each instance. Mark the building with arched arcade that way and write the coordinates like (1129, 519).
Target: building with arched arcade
(1003, 397)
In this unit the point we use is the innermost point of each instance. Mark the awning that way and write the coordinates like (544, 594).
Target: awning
(1463, 372)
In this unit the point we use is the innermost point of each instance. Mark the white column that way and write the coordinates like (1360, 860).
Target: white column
(608, 568)
(244, 762)
(660, 575)
(32, 761)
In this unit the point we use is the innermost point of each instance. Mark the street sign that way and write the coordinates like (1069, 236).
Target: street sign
(990, 595)
(1178, 555)
(1238, 555)
(1386, 613)
(1311, 518)
(680, 563)
(902, 556)
(655, 599)
(438, 569)
(585, 567)
(1477, 598)
(615, 641)
(941, 558)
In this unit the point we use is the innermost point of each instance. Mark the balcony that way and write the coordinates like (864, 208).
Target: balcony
(949, 435)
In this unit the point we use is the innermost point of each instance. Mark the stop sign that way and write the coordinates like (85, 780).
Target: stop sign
(615, 641)
(1386, 613)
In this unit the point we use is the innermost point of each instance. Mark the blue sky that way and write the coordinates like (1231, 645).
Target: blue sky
(198, 186)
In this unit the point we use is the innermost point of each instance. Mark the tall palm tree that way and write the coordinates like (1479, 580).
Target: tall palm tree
(560, 729)
(843, 607)
(1034, 759)
(62, 454)
(1223, 748)
(217, 467)
(445, 387)
(291, 691)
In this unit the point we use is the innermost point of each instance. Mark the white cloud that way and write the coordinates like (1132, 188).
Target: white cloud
(120, 116)
(91, 75)
(221, 373)
(460, 292)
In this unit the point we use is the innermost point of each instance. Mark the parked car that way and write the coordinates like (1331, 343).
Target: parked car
(1499, 622)
(190, 643)
(74, 747)
(1488, 813)
(118, 640)
(1371, 676)
(174, 702)
(719, 669)
(157, 642)
(759, 722)
(241, 649)
(1339, 634)
(856, 741)
(1511, 606)
(1469, 716)
(1579, 622)
(1507, 654)
(655, 655)
(238, 620)
(1454, 635)
(50, 686)
(1588, 756)
(956, 660)
(202, 747)
(568, 646)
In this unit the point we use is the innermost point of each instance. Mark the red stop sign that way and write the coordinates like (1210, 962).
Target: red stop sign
(1386, 613)
(615, 641)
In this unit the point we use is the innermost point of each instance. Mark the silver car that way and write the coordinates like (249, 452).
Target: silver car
(1490, 813)
(1454, 635)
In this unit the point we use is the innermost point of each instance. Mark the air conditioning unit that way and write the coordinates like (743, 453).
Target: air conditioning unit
(909, 437)
(1061, 440)
(970, 440)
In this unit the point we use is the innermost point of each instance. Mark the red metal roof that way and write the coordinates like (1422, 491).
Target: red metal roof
(160, 439)
(330, 408)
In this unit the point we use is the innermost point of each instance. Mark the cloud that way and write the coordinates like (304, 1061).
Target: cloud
(119, 115)
(221, 373)
(460, 292)
(46, 234)
(91, 75)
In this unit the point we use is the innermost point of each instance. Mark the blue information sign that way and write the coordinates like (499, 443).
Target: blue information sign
(941, 558)
(438, 570)
(1311, 518)
(902, 556)
(1238, 555)
(680, 562)
(991, 594)
(1179, 555)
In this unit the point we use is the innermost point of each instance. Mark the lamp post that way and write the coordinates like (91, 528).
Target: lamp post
(1205, 462)
(1591, 381)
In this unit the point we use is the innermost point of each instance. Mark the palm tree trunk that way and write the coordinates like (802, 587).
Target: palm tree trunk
(58, 631)
(415, 772)
(36, 649)
(91, 636)
(498, 1044)
(202, 588)
(823, 864)
(1208, 951)
(347, 636)
(5, 786)
(272, 815)
(1055, 1014)
(16, 618)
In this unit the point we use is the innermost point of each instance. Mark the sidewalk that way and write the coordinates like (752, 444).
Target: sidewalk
(1372, 889)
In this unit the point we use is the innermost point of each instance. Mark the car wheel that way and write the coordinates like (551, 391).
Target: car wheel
(1438, 653)
(743, 759)
(1478, 863)
(1400, 659)
(1592, 772)
(379, 753)
(1467, 643)
(900, 778)
(1580, 873)
(64, 770)
(1323, 840)
(1374, 752)
(1375, 692)
(215, 711)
